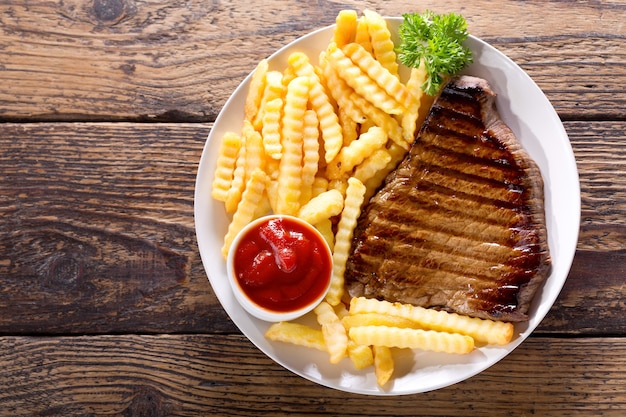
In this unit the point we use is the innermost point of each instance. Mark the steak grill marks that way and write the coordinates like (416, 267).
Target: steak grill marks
(460, 224)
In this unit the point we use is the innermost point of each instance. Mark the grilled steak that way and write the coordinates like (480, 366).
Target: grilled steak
(460, 224)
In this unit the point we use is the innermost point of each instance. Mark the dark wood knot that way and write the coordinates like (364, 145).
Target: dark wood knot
(147, 402)
(64, 270)
(109, 11)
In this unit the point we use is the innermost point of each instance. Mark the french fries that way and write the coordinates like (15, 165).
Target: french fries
(317, 140)
(484, 331)
(412, 339)
(297, 334)
(333, 331)
(343, 238)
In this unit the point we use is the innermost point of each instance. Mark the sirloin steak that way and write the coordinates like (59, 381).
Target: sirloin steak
(460, 224)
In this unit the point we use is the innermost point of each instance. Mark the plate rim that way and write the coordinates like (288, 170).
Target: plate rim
(567, 257)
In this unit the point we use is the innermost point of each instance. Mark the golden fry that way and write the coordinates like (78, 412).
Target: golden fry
(412, 338)
(290, 169)
(310, 149)
(333, 331)
(271, 128)
(371, 165)
(356, 78)
(252, 197)
(377, 319)
(343, 238)
(482, 331)
(381, 75)
(323, 206)
(238, 183)
(362, 36)
(361, 110)
(273, 89)
(320, 184)
(397, 153)
(255, 154)
(414, 111)
(343, 94)
(382, 44)
(297, 334)
(325, 227)
(349, 128)
(226, 160)
(345, 29)
(320, 102)
(355, 153)
(383, 364)
(255, 91)
(360, 355)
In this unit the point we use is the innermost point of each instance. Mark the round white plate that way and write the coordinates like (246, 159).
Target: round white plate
(528, 113)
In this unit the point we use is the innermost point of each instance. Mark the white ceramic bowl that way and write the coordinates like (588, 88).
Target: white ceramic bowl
(256, 309)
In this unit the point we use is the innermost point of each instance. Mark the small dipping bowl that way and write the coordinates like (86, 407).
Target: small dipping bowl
(279, 267)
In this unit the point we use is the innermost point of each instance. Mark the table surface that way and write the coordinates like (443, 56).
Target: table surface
(105, 307)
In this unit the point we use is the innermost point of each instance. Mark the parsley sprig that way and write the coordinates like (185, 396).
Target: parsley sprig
(437, 40)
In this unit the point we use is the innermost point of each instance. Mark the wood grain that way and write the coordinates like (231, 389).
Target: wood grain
(190, 375)
(105, 308)
(98, 234)
(180, 61)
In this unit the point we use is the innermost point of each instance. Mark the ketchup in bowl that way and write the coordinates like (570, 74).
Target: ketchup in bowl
(279, 267)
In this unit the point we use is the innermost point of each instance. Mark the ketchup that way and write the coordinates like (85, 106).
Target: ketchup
(282, 265)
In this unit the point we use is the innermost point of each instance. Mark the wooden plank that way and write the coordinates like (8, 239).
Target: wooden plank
(179, 61)
(594, 291)
(98, 233)
(187, 375)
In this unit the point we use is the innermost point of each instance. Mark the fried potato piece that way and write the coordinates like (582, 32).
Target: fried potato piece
(371, 165)
(343, 238)
(290, 168)
(226, 160)
(311, 155)
(252, 197)
(271, 127)
(343, 95)
(356, 78)
(345, 28)
(377, 72)
(482, 331)
(360, 149)
(349, 128)
(238, 182)
(333, 331)
(383, 364)
(274, 89)
(415, 113)
(255, 91)
(376, 319)
(328, 120)
(362, 36)
(320, 184)
(397, 153)
(360, 355)
(325, 227)
(361, 110)
(382, 44)
(255, 154)
(412, 338)
(297, 334)
(324, 206)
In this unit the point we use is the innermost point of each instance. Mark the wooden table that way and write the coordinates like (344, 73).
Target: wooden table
(105, 308)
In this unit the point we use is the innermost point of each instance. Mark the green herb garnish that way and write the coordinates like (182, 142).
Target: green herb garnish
(438, 41)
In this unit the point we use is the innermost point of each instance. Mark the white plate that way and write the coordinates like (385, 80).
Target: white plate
(528, 113)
